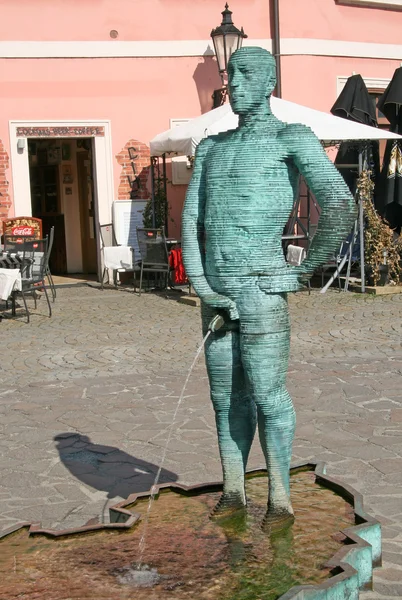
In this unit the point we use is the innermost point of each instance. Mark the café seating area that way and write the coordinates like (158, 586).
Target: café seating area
(24, 265)
(154, 261)
(155, 258)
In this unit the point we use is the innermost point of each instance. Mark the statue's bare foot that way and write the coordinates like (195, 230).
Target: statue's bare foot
(228, 505)
(277, 519)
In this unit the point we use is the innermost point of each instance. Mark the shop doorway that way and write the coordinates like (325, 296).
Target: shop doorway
(62, 195)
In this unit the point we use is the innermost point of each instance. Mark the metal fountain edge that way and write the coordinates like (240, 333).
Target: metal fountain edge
(352, 566)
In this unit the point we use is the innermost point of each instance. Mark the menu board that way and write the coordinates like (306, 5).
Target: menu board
(127, 216)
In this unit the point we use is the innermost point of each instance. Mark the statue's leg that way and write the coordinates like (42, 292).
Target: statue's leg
(235, 414)
(265, 358)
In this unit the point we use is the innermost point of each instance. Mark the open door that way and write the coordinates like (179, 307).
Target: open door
(87, 211)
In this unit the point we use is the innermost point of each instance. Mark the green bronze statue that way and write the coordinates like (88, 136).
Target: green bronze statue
(237, 205)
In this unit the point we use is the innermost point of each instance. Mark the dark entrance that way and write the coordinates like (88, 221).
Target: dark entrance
(45, 197)
(62, 195)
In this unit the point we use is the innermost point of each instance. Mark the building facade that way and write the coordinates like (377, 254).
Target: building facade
(85, 86)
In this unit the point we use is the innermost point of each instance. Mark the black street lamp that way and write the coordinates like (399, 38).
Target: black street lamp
(226, 38)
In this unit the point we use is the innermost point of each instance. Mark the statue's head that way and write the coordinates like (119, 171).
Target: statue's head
(251, 78)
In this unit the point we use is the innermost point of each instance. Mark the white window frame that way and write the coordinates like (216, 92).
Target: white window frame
(372, 83)
(388, 4)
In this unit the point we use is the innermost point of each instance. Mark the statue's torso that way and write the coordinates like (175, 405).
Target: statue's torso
(250, 189)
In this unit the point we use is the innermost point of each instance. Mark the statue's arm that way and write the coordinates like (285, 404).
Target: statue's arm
(192, 234)
(338, 208)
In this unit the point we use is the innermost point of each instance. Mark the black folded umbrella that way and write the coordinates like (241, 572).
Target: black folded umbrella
(388, 196)
(354, 103)
(389, 103)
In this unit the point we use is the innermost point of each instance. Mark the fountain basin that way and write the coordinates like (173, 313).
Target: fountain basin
(328, 553)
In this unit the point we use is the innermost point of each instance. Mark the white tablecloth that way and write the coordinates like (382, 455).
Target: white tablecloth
(118, 257)
(10, 279)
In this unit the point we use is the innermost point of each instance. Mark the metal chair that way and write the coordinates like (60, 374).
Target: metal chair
(108, 240)
(350, 248)
(154, 253)
(331, 265)
(33, 272)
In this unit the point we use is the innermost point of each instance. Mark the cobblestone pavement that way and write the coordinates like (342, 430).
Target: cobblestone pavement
(88, 396)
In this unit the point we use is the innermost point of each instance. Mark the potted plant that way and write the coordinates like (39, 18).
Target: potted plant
(382, 247)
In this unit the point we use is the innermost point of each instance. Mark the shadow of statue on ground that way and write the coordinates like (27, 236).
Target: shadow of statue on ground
(107, 468)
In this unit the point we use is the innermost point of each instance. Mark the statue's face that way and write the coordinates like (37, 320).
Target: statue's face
(250, 82)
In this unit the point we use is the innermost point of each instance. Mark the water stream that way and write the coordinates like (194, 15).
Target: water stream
(144, 576)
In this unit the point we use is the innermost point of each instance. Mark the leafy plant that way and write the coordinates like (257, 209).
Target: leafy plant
(381, 245)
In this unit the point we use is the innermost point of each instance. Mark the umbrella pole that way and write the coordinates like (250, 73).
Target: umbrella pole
(361, 228)
(153, 189)
(350, 256)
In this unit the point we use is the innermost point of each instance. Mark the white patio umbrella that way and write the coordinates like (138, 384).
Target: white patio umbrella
(183, 140)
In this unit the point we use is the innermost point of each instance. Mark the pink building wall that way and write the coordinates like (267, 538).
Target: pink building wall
(140, 20)
(139, 95)
(327, 20)
(315, 84)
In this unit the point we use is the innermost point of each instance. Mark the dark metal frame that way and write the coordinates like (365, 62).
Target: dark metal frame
(358, 229)
(299, 227)
(159, 177)
(33, 274)
(149, 265)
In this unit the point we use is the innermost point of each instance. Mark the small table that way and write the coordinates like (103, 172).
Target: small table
(10, 281)
(12, 266)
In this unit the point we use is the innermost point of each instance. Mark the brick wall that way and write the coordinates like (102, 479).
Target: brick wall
(135, 161)
(5, 201)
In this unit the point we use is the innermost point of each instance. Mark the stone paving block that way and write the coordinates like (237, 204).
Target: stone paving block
(367, 451)
(383, 404)
(393, 558)
(359, 429)
(396, 415)
(46, 513)
(390, 532)
(387, 506)
(389, 590)
(393, 442)
(388, 465)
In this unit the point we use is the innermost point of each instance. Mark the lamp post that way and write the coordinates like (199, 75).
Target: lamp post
(226, 39)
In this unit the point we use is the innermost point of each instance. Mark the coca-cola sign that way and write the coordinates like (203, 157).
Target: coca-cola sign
(23, 230)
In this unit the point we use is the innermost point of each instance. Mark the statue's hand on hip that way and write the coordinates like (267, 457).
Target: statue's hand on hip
(219, 301)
